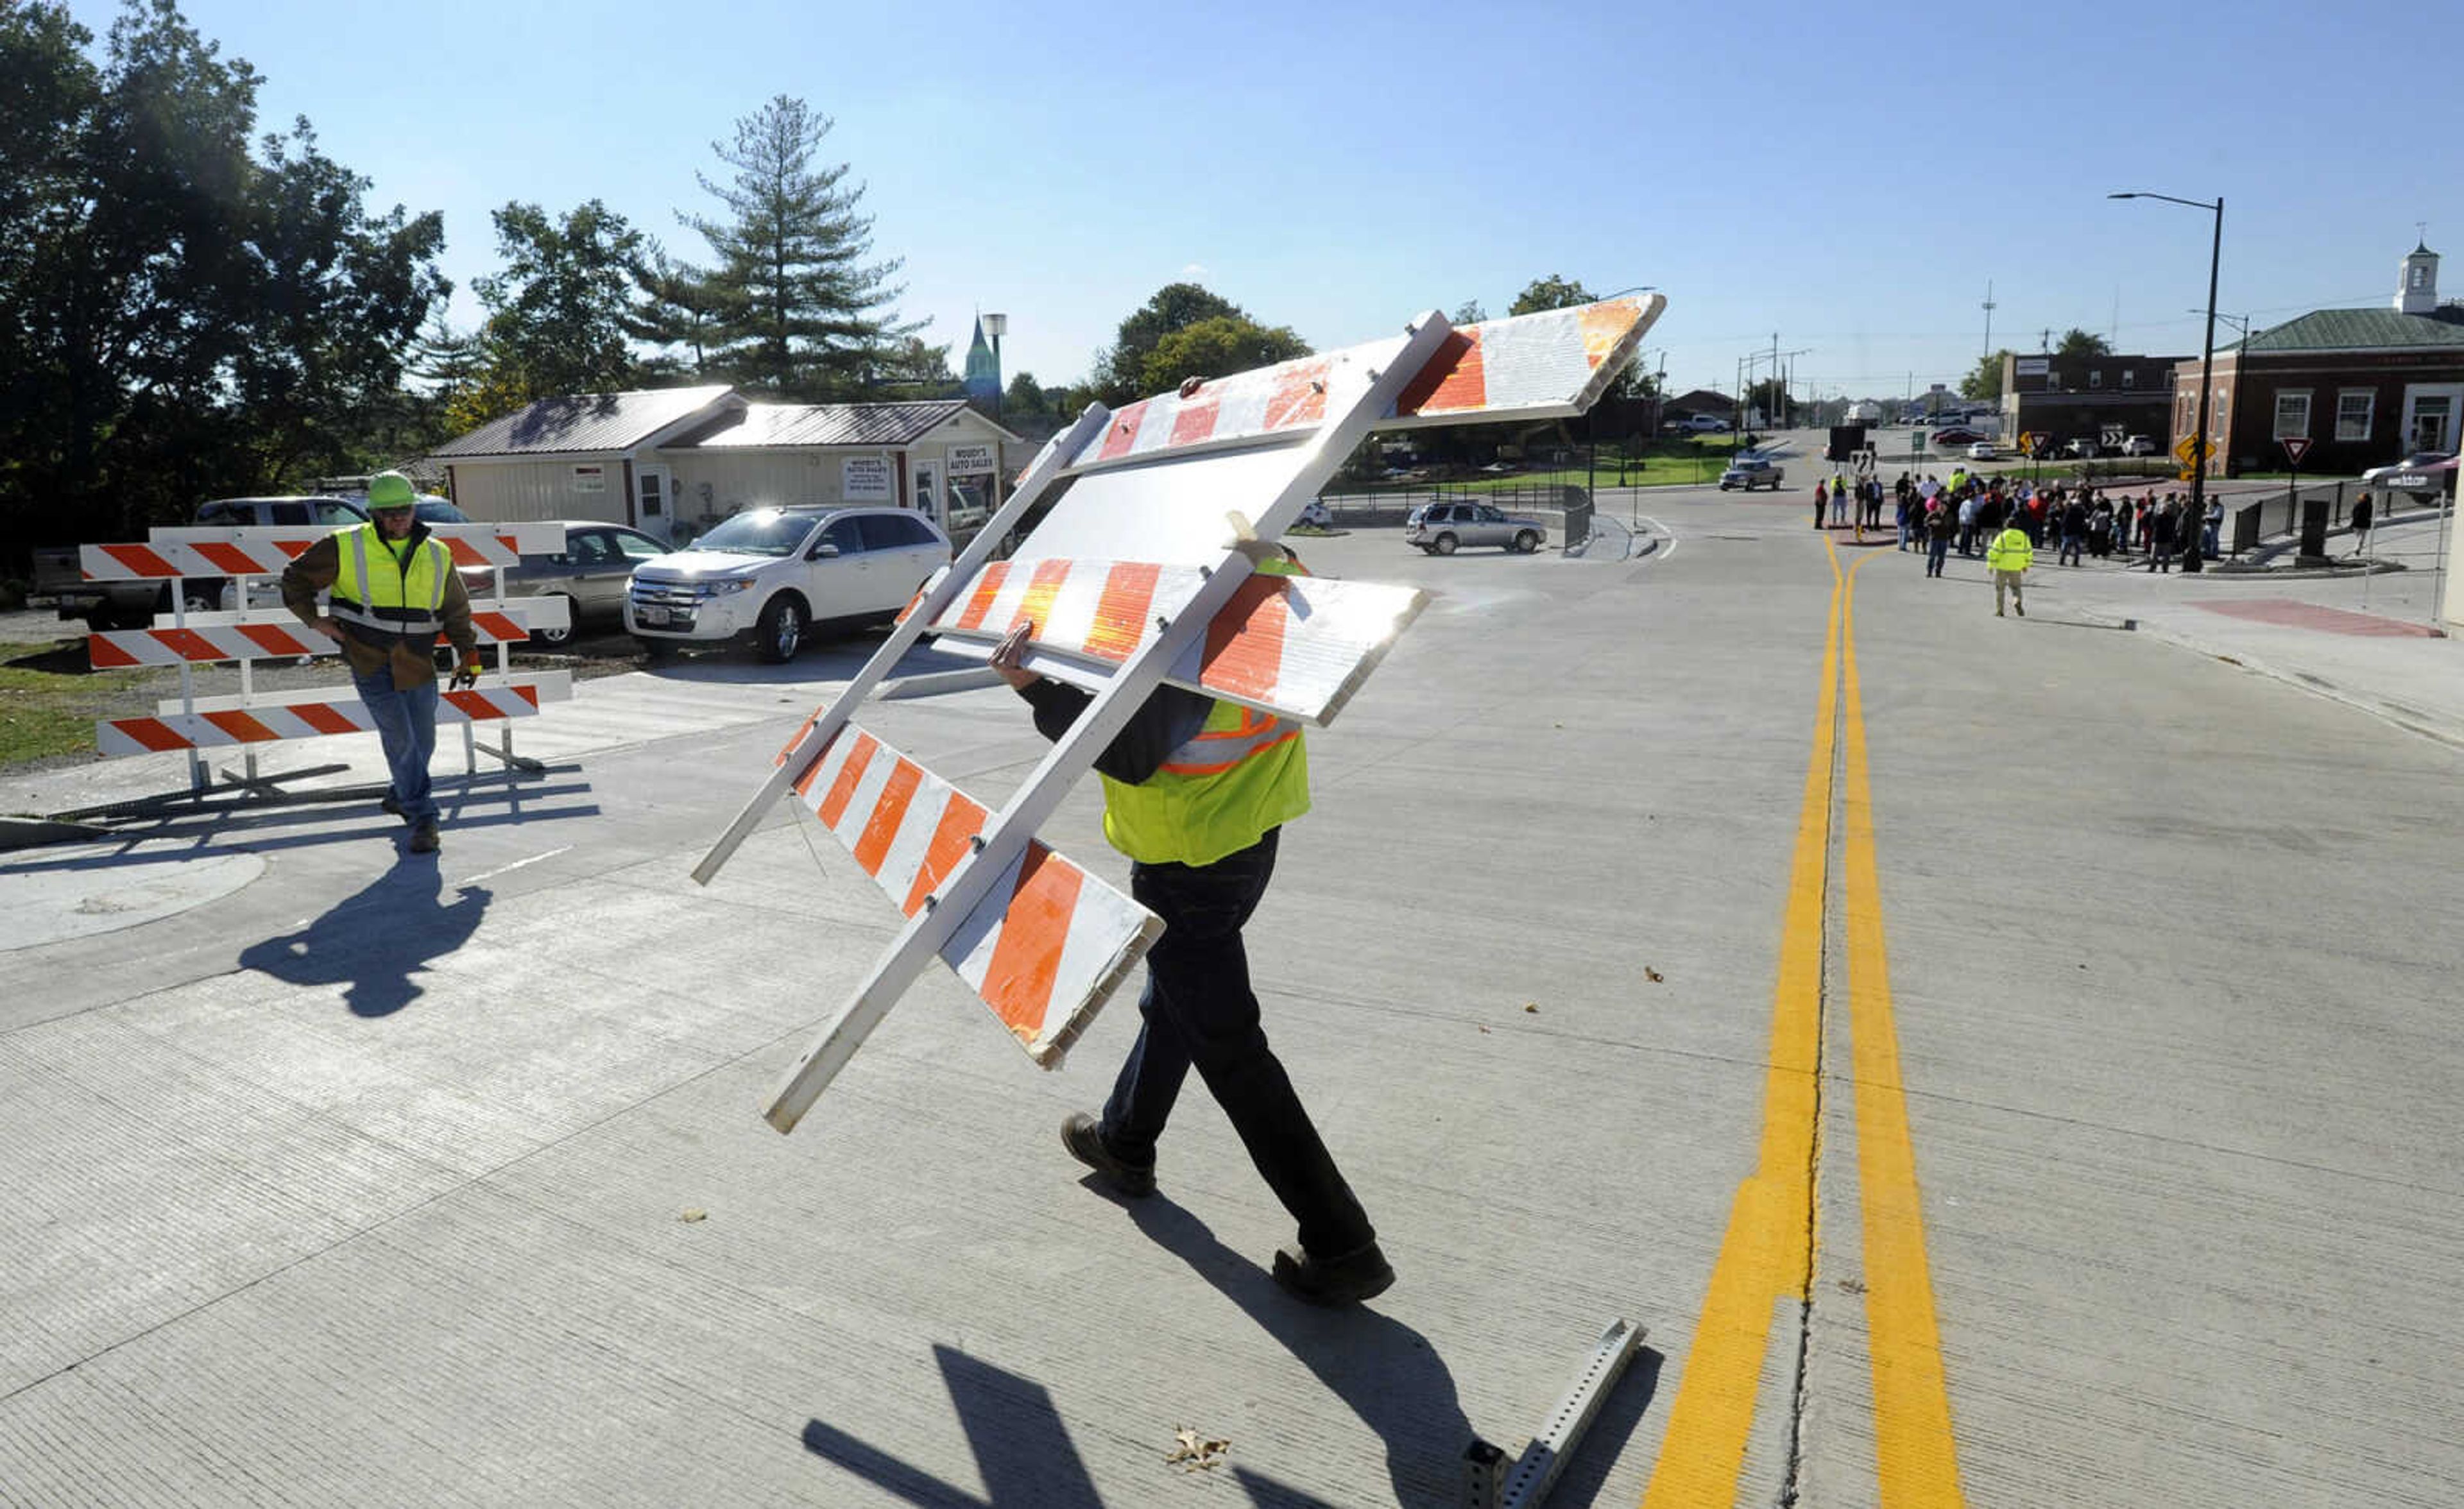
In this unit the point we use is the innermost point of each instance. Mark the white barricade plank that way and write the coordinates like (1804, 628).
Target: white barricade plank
(1045, 948)
(1543, 365)
(271, 634)
(1295, 647)
(225, 722)
(265, 550)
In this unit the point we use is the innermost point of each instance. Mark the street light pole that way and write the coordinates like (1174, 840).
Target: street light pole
(2207, 370)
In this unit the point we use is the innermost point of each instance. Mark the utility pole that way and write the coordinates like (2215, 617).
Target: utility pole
(1989, 317)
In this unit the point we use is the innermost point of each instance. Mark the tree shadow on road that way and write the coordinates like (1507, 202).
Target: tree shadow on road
(375, 941)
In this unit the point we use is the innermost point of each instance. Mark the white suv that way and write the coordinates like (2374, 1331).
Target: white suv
(769, 575)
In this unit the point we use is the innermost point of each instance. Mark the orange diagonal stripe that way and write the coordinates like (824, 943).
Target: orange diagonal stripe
(889, 812)
(961, 820)
(1018, 984)
(1244, 644)
(834, 806)
(988, 585)
(1121, 612)
(1041, 589)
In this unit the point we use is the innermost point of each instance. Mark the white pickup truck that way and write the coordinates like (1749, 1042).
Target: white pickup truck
(770, 575)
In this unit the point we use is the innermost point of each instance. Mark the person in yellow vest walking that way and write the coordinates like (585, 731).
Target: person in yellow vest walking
(2006, 556)
(1196, 791)
(391, 589)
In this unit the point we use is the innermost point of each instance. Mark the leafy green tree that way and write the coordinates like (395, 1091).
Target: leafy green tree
(1024, 396)
(1467, 313)
(1219, 347)
(911, 368)
(560, 310)
(1553, 292)
(1120, 373)
(1984, 381)
(1771, 397)
(2078, 343)
(178, 318)
(799, 308)
(1557, 292)
(675, 312)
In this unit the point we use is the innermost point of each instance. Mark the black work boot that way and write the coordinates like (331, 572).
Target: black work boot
(1084, 1136)
(1361, 1274)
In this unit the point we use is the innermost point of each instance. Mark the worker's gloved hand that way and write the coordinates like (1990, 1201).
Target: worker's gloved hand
(465, 675)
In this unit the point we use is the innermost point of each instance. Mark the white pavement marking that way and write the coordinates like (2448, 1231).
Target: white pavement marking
(504, 870)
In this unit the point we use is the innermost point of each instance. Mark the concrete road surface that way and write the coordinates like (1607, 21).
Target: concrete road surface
(2001, 1061)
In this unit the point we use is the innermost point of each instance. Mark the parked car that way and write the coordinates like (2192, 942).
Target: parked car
(111, 604)
(1749, 472)
(2423, 471)
(770, 575)
(1694, 425)
(2140, 445)
(1444, 527)
(1954, 435)
(1982, 450)
(591, 573)
(1315, 515)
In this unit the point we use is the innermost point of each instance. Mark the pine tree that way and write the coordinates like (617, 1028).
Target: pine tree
(800, 309)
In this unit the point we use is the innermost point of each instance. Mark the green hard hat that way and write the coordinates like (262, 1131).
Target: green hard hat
(390, 489)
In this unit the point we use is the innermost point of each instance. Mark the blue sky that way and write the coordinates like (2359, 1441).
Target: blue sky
(1846, 178)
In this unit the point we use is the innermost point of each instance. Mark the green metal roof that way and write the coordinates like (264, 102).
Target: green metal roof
(2356, 330)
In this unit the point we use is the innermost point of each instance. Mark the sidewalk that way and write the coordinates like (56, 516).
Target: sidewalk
(2365, 639)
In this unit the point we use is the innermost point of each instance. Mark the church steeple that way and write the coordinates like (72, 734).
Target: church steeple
(983, 369)
(2417, 292)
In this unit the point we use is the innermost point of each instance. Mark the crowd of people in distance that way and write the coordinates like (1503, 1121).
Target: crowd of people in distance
(1935, 517)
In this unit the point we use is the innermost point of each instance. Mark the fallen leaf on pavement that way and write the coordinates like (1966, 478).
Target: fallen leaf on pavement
(1651, 975)
(1195, 1451)
(694, 1215)
(1533, 1007)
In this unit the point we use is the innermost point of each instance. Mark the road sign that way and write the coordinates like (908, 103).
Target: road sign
(2188, 448)
(2027, 441)
(2295, 447)
(2189, 473)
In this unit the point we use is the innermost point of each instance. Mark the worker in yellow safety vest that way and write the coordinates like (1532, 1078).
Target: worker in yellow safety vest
(391, 589)
(2007, 557)
(1196, 791)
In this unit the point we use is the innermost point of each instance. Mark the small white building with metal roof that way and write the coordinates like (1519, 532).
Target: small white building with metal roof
(674, 461)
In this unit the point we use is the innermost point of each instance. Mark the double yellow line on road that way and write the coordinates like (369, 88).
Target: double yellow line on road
(1769, 1252)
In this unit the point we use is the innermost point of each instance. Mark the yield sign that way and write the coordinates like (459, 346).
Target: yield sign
(2295, 447)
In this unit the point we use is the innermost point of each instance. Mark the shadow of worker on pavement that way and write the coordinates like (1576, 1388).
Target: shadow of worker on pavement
(374, 942)
(1383, 1370)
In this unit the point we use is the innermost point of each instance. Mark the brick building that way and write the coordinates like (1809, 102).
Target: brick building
(2101, 398)
(2364, 387)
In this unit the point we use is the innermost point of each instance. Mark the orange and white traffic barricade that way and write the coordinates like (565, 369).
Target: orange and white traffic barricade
(1140, 572)
(233, 562)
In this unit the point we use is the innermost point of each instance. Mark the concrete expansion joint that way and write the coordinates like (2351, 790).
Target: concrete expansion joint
(1809, 1291)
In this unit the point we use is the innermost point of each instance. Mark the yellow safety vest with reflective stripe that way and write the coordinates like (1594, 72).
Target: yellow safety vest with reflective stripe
(1242, 774)
(392, 598)
(2010, 551)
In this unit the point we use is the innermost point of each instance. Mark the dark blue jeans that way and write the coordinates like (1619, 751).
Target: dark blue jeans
(406, 721)
(1936, 548)
(1199, 1010)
